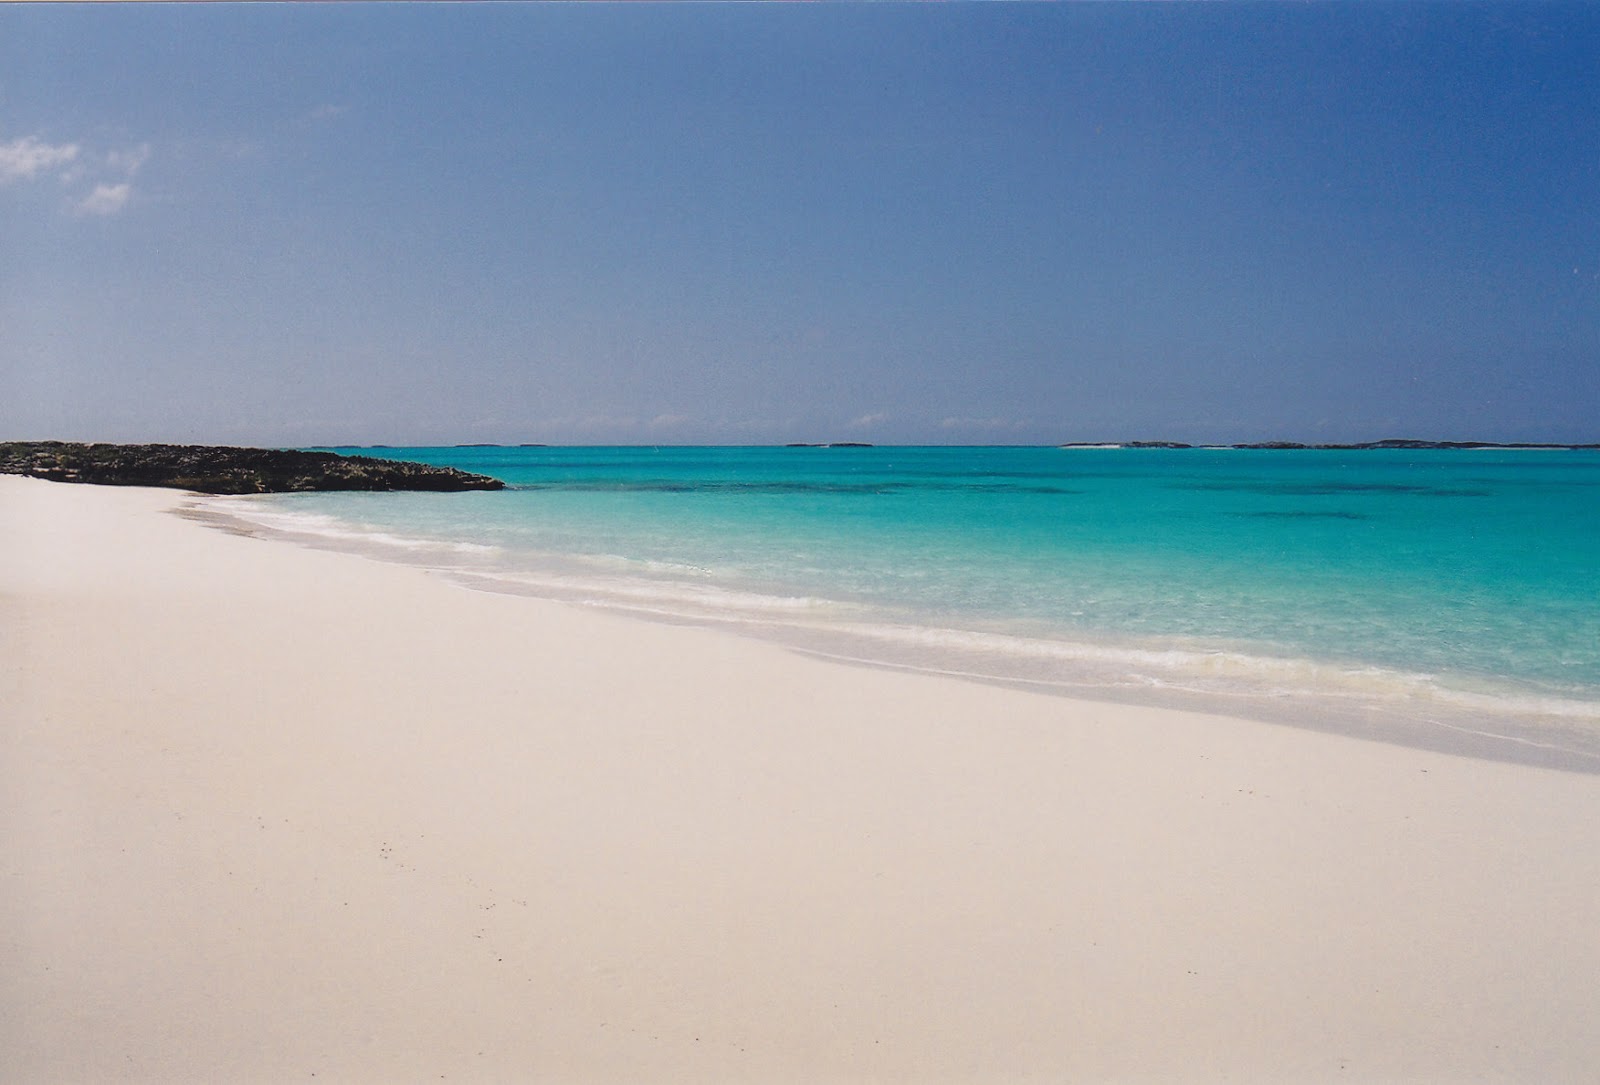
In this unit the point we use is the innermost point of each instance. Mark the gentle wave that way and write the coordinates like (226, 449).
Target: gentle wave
(669, 599)
(1200, 670)
(1196, 676)
(316, 525)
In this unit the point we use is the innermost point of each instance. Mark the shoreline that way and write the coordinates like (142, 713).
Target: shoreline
(1414, 710)
(273, 812)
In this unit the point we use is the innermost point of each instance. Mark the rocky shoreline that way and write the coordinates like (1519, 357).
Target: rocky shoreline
(221, 469)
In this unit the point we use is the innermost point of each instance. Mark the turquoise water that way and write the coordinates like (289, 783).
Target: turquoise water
(1438, 597)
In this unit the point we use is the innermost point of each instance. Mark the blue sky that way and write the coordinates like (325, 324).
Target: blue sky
(751, 223)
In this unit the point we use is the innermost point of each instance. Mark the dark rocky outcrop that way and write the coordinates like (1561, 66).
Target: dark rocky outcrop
(216, 469)
(1407, 443)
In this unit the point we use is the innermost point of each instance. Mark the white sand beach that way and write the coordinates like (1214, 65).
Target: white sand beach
(270, 814)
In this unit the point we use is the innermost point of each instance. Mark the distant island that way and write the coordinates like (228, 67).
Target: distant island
(1392, 443)
(214, 469)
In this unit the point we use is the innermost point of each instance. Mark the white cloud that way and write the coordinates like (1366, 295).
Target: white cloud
(869, 420)
(105, 200)
(96, 183)
(26, 158)
(130, 160)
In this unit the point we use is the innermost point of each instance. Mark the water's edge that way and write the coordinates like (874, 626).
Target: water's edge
(1446, 729)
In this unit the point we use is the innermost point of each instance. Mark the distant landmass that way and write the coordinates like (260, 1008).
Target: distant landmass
(214, 469)
(1393, 443)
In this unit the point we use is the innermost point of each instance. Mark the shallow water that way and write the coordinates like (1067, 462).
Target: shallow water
(1444, 598)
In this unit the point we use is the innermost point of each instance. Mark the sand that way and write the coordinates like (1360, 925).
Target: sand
(271, 814)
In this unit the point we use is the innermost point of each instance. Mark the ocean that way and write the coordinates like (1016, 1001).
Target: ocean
(1448, 599)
